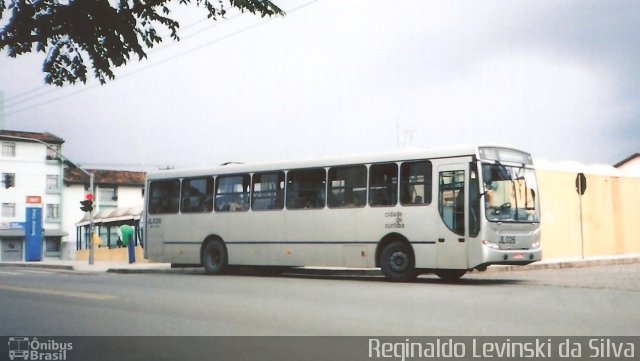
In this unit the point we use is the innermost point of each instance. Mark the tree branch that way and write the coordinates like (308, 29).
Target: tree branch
(107, 35)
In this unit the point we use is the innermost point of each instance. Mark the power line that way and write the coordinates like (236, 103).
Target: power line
(149, 66)
(43, 89)
(10, 99)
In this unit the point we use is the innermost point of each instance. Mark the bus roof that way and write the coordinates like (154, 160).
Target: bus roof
(366, 158)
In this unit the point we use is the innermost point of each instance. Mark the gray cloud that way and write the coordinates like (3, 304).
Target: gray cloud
(558, 78)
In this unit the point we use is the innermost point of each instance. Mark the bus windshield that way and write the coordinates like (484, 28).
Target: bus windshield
(510, 193)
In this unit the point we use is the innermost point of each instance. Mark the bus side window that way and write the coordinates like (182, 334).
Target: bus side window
(267, 191)
(383, 184)
(197, 195)
(415, 183)
(232, 193)
(347, 186)
(164, 196)
(306, 188)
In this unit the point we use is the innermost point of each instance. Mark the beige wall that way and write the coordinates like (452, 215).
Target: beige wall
(114, 254)
(610, 215)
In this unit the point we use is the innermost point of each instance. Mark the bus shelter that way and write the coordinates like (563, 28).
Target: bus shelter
(106, 224)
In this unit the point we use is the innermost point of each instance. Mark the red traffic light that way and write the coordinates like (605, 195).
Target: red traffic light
(87, 204)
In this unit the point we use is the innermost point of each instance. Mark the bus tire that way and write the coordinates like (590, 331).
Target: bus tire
(397, 262)
(450, 274)
(214, 257)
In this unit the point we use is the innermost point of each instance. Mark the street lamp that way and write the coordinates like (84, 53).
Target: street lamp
(91, 179)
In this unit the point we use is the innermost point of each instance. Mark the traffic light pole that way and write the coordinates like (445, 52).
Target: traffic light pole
(91, 179)
(91, 245)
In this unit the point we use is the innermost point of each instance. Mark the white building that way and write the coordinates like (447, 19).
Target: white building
(36, 177)
(31, 171)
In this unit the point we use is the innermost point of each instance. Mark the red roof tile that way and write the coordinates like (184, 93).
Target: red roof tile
(101, 176)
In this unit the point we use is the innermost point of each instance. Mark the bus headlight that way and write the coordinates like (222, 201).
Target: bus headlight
(490, 244)
(535, 244)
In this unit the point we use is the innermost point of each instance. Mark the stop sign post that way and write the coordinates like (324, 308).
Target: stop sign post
(581, 187)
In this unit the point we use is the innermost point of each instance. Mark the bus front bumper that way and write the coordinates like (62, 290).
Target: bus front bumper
(491, 256)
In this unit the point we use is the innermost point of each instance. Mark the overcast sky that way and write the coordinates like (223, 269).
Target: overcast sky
(560, 79)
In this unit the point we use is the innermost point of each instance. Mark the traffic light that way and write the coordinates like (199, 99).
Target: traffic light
(87, 204)
(8, 181)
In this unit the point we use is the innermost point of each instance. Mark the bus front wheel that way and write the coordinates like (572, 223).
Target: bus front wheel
(397, 263)
(214, 257)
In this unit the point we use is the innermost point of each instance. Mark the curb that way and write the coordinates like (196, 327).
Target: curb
(163, 268)
(38, 265)
(257, 270)
(614, 261)
(375, 272)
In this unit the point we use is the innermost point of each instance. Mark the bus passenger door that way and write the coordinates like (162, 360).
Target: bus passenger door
(451, 230)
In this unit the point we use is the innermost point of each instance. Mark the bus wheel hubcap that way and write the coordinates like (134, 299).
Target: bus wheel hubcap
(214, 257)
(399, 261)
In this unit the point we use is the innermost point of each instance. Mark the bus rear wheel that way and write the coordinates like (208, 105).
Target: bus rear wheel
(214, 257)
(397, 263)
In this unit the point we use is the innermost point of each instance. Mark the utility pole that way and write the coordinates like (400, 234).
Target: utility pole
(91, 245)
(91, 179)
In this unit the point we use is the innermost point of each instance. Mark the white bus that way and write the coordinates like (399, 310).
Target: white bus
(443, 211)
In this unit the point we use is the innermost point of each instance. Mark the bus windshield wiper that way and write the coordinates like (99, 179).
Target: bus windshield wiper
(505, 174)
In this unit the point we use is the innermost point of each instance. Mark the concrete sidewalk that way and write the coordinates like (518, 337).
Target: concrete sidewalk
(97, 266)
(150, 267)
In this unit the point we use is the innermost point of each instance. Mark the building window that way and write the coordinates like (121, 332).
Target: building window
(53, 212)
(107, 194)
(8, 149)
(52, 246)
(52, 150)
(53, 184)
(8, 209)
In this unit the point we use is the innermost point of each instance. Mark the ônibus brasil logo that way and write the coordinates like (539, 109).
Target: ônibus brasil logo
(31, 349)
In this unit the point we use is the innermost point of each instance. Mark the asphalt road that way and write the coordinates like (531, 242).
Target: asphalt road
(580, 301)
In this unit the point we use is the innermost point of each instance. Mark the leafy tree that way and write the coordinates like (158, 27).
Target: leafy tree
(107, 32)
